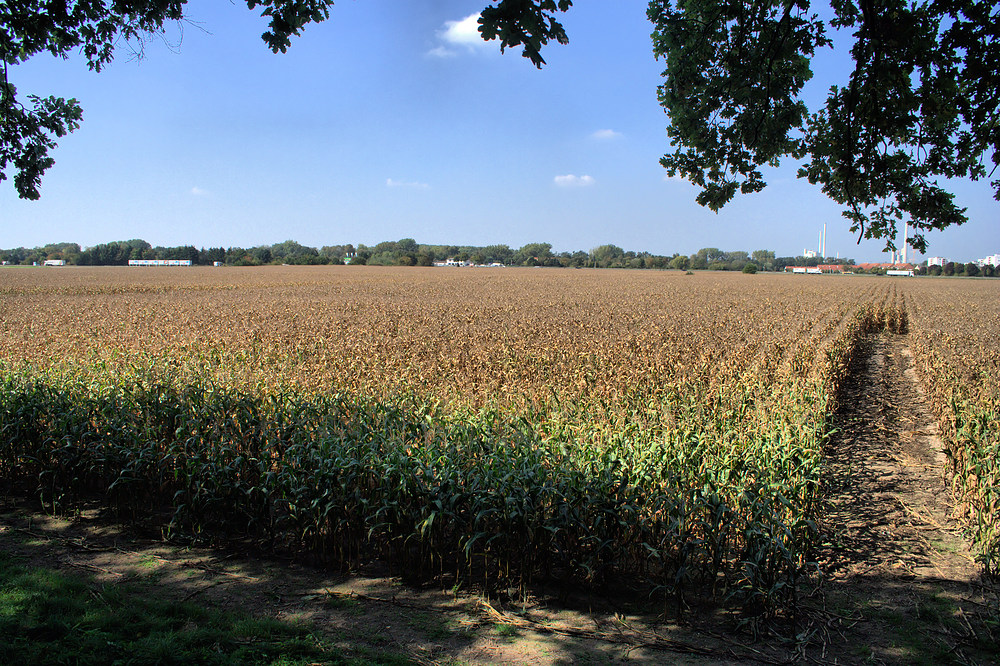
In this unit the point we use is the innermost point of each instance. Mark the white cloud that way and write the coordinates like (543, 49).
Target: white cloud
(463, 34)
(389, 182)
(571, 180)
(441, 52)
(606, 134)
(198, 192)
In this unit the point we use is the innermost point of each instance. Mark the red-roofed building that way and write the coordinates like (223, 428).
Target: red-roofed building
(887, 266)
(822, 268)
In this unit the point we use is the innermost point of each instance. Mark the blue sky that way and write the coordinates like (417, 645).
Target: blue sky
(392, 120)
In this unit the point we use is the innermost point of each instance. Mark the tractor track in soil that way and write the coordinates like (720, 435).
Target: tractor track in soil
(901, 582)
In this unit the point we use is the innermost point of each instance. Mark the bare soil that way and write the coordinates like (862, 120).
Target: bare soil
(901, 584)
(898, 584)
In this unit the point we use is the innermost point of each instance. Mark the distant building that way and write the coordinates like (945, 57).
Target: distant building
(936, 261)
(886, 266)
(992, 260)
(816, 270)
(159, 262)
(808, 254)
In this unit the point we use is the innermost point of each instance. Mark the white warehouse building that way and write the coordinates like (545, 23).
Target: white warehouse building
(159, 262)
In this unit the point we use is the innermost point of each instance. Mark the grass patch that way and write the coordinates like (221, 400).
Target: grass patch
(432, 625)
(149, 562)
(50, 617)
(943, 546)
(916, 629)
(343, 603)
(381, 657)
(505, 630)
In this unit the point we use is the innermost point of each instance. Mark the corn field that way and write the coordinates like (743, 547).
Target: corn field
(957, 352)
(496, 427)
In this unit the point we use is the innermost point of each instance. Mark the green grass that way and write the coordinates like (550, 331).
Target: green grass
(505, 630)
(49, 617)
(435, 626)
(344, 604)
(927, 631)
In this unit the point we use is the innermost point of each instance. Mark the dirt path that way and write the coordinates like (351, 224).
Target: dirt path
(903, 586)
(900, 584)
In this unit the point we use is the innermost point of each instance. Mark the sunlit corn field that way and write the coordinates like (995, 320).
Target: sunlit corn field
(495, 427)
(955, 338)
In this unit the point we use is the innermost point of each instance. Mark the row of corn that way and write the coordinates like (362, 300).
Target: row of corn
(697, 483)
(957, 355)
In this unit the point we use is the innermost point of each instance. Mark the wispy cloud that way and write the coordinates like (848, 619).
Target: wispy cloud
(441, 51)
(605, 134)
(571, 180)
(461, 35)
(389, 182)
(198, 192)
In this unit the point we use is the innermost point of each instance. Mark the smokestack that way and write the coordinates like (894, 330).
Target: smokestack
(824, 240)
(906, 237)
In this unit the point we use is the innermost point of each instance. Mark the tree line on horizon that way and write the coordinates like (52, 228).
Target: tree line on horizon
(407, 252)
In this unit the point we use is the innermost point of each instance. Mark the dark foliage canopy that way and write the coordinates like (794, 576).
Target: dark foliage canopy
(95, 28)
(920, 106)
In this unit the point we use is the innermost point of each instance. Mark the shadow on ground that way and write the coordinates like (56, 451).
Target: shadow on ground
(359, 620)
